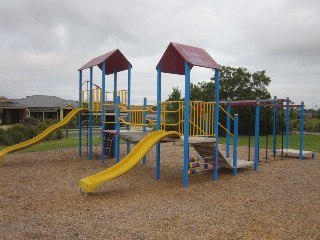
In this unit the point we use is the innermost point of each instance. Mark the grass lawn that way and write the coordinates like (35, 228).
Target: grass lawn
(311, 142)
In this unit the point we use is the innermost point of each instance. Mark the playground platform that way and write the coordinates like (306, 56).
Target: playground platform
(294, 153)
(203, 145)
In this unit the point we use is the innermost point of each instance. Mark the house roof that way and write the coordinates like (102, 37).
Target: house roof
(43, 101)
(68, 103)
(114, 60)
(173, 59)
(8, 103)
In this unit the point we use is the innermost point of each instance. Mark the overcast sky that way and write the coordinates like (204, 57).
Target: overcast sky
(43, 43)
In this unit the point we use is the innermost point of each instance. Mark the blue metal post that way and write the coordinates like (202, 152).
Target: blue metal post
(216, 123)
(158, 120)
(186, 124)
(116, 138)
(256, 136)
(103, 111)
(129, 102)
(235, 146)
(228, 128)
(90, 115)
(287, 123)
(79, 117)
(115, 99)
(274, 146)
(144, 121)
(301, 130)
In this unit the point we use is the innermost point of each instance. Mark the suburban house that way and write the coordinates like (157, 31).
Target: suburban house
(40, 107)
(11, 111)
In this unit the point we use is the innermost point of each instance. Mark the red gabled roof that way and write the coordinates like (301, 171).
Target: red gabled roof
(114, 59)
(173, 59)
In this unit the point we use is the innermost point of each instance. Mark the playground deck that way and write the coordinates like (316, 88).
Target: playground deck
(294, 153)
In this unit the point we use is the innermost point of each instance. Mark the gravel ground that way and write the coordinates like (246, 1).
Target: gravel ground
(40, 199)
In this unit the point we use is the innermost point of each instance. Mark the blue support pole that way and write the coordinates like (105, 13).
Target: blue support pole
(228, 128)
(301, 130)
(79, 117)
(158, 120)
(235, 146)
(115, 99)
(116, 137)
(144, 128)
(186, 125)
(256, 136)
(216, 123)
(103, 111)
(129, 102)
(90, 115)
(274, 145)
(287, 122)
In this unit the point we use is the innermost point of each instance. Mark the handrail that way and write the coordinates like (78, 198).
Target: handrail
(137, 124)
(150, 109)
(228, 114)
(225, 129)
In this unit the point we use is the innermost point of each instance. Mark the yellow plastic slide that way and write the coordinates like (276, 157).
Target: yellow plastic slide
(89, 184)
(42, 135)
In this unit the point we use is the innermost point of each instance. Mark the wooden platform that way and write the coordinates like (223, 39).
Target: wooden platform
(294, 153)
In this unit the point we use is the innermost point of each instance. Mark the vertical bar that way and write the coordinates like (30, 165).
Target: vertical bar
(228, 128)
(116, 105)
(186, 124)
(274, 126)
(116, 137)
(301, 131)
(158, 120)
(144, 122)
(256, 135)
(235, 146)
(216, 122)
(129, 102)
(103, 111)
(79, 117)
(90, 115)
(287, 123)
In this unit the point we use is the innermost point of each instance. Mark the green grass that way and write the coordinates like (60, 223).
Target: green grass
(70, 142)
(311, 142)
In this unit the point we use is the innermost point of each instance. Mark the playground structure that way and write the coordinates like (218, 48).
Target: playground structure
(195, 123)
(273, 104)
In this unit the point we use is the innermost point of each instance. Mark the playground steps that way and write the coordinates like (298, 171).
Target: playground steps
(206, 151)
(294, 153)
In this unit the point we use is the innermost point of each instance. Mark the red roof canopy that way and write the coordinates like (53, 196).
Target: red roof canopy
(114, 59)
(176, 54)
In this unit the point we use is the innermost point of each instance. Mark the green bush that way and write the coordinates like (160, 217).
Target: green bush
(22, 132)
(30, 121)
(310, 125)
(2, 136)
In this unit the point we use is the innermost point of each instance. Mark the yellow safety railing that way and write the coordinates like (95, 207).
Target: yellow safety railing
(201, 117)
(172, 117)
(97, 98)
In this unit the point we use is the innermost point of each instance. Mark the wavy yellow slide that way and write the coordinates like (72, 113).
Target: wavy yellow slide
(46, 133)
(89, 184)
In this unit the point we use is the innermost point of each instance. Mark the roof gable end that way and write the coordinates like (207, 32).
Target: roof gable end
(176, 54)
(115, 60)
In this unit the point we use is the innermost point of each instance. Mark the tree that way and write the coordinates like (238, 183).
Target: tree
(235, 83)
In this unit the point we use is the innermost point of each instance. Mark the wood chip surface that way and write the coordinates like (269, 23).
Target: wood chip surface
(40, 199)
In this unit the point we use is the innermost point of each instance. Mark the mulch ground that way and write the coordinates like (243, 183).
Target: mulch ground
(40, 199)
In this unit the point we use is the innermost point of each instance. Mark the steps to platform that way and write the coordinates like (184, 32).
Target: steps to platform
(206, 150)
